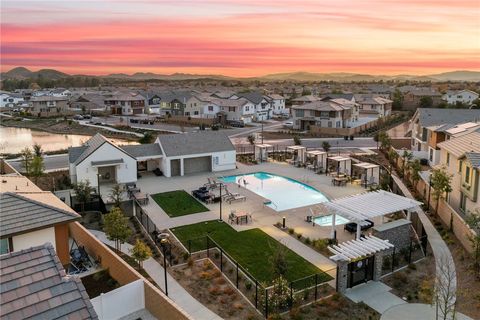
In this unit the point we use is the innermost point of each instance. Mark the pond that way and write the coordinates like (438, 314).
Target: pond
(13, 140)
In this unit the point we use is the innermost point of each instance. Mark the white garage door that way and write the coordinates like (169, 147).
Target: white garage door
(198, 164)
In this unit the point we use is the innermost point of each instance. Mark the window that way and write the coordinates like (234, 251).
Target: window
(460, 165)
(329, 124)
(231, 109)
(5, 245)
(247, 108)
(448, 159)
(210, 108)
(431, 154)
(299, 113)
(338, 124)
(324, 114)
(463, 202)
(195, 113)
(467, 174)
(187, 113)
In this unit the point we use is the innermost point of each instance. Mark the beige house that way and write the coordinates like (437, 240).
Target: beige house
(46, 106)
(336, 113)
(461, 157)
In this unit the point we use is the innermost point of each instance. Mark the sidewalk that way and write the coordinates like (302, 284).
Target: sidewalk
(175, 291)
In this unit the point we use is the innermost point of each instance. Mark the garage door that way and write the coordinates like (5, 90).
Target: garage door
(199, 164)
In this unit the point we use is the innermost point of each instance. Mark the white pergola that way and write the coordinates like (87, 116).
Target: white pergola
(320, 158)
(343, 164)
(356, 249)
(300, 152)
(360, 207)
(370, 172)
(261, 152)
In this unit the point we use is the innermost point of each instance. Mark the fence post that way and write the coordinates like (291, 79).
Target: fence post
(208, 248)
(316, 285)
(393, 259)
(236, 263)
(190, 247)
(291, 295)
(221, 259)
(266, 303)
(148, 225)
(256, 294)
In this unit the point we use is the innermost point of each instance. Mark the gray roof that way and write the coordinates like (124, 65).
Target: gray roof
(20, 214)
(473, 158)
(77, 154)
(195, 143)
(346, 96)
(34, 285)
(255, 97)
(436, 116)
(143, 150)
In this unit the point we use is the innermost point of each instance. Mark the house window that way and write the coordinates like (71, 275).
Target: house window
(467, 174)
(460, 165)
(210, 108)
(231, 109)
(329, 124)
(431, 154)
(247, 108)
(448, 159)
(338, 124)
(195, 113)
(463, 202)
(5, 245)
(299, 113)
(187, 113)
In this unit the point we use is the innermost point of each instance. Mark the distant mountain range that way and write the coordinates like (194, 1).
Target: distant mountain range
(460, 75)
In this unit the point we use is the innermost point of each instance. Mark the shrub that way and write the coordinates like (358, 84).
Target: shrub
(205, 275)
(291, 230)
(215, 290)
(186, 255)
(206, 265)
(299, 236)
(248, 285)
(216, 255)
(238, 306)
(412, 266)
(308, 241)
(228, 291)
(220, 281)
(190, 262)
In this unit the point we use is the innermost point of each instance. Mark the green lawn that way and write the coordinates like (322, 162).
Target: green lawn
(252, 249)
(178, 203)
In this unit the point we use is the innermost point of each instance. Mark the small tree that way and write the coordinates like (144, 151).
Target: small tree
(426, 102)
(37, 168)
(279, 261)
(116, 195)
(473, 220)
(37, 150)
(397, 103)
(83, 192)
(445, 288)
(440, 181)
(415, 168)
(116, 227)
(251, 139)
(326, 146)
(27, 157)
(406, 156)
(140, 252)
(376, 138)
(296, 140)
(393, 156)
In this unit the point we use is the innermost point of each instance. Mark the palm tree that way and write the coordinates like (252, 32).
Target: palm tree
(406, 156)
(415, 169)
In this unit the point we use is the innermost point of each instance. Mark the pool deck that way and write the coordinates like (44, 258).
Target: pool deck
(264, 217)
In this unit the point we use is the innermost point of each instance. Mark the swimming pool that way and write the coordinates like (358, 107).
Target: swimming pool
(326, 221)
(284, 193)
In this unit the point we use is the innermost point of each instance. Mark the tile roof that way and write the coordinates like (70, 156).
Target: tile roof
(22, 213)
(255, 97)
(473, 158)
(143, 150)
(460, 145)
(436, 116)
(77, 154)
(194, 143)
(34, 285)
(323, 106)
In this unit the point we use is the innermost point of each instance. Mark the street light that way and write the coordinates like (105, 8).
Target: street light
(262, 131)
(164, 243)
(98, 183)
(221, 201)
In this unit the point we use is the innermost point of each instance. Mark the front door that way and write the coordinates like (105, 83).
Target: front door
(360, 271)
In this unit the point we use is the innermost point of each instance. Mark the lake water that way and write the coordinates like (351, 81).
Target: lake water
(13, 140)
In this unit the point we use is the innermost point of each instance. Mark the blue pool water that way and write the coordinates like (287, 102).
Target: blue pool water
(326, 221)
(284, 193)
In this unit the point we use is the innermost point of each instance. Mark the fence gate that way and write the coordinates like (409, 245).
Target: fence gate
(360, 271)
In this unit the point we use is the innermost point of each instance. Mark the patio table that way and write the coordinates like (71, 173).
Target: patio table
(339, 181)
(241, 216)
(141, 198)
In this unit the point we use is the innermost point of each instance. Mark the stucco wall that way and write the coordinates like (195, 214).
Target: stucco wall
(34, 238)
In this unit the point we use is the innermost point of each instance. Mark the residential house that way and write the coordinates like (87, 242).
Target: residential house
(47, 106)
(174, 103)
(373, 105)
(11, 100)
(461, 157)
(236, 109)
(36, 286)
(89, 102)
(460, 96)
(263, 108)
(413, 97)
(277, 103)
(188, 153)
(31, 217)
(210, 107)
(346, 96)
(426, 120)
(304, 99)
(326, 114)
(194, 107)
(60, 92)
(126, 103)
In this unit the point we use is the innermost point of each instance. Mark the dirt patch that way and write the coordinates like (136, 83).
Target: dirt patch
(335, 307)
(98, 283)
(207, 284)
(55, 180)
(414, 283)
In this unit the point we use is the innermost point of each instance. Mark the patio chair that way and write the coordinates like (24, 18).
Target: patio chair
(236, 198)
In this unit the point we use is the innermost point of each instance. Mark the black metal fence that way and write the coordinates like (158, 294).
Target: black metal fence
(276, 298)
(402, 257)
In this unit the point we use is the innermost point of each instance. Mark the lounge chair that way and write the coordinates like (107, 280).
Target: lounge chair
(352, 226)
(236, 198)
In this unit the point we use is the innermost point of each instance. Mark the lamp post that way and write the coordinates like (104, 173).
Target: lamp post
(221, 202)
(283, 223)
(429, 190)
(163, 243)
(262, 131)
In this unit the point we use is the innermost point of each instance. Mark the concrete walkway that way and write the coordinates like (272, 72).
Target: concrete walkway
(320, 261)
(376, 295)
(175, 291)
(413, 311)
(441, 252)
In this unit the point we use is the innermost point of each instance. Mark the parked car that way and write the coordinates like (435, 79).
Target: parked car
(87, 116)
(288, 124)
(78, 117)
(237, 124)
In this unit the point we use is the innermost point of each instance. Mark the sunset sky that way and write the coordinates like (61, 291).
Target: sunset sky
(241, 37)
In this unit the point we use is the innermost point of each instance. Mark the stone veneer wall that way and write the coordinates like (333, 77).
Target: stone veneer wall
(398, 236)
